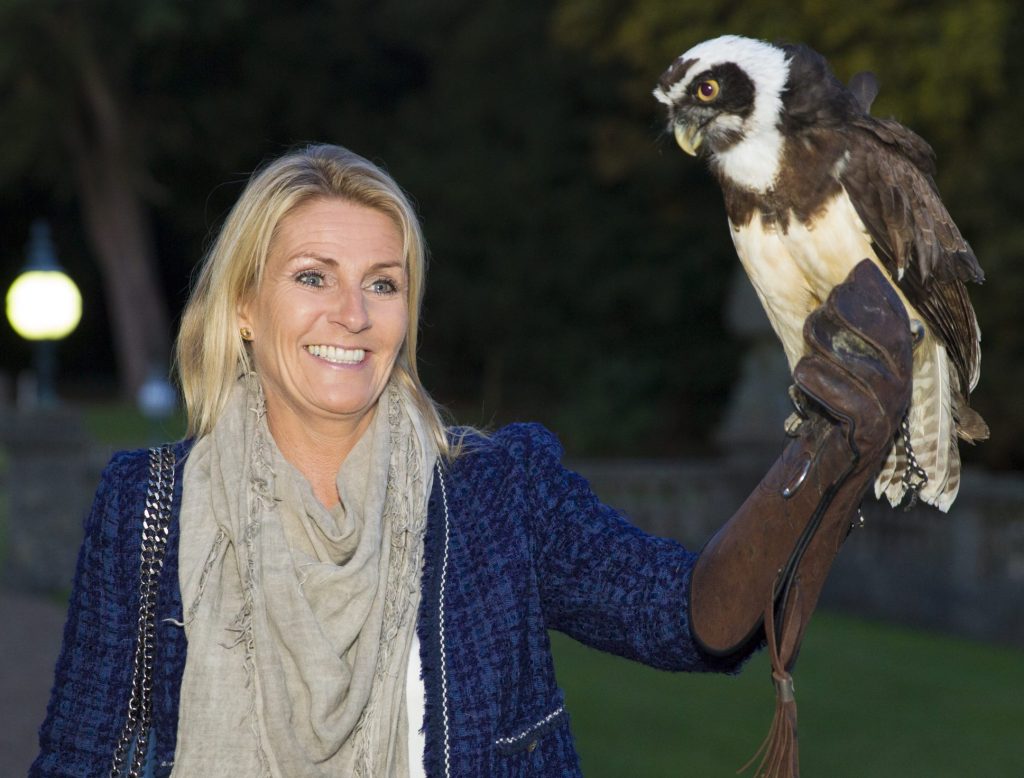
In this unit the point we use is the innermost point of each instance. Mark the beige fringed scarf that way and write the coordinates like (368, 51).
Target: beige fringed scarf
(299, 619)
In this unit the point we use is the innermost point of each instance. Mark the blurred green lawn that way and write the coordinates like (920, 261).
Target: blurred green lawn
(121, 426)
(874, 700)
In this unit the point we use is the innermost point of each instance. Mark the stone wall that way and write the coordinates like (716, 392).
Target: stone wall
(50, 472)
(962, 573)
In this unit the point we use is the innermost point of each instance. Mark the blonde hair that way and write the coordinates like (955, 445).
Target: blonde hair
(210, 353)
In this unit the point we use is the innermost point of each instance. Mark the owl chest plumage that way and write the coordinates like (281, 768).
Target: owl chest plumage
(793, 263)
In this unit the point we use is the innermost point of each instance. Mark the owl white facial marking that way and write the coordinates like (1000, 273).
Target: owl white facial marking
(752, 162)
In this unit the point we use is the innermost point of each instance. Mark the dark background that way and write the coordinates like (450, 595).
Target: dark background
(580, 262)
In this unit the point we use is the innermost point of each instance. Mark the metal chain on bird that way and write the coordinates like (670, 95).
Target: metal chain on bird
(914, 476)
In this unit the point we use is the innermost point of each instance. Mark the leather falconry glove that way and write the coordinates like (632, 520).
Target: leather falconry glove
(766, 566)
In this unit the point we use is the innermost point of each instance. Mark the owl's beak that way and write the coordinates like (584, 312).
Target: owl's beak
(688, 136)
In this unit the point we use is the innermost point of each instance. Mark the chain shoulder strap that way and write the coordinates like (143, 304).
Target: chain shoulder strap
(156, 518)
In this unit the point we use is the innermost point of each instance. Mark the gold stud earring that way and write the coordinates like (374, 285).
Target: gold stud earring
(246, 333)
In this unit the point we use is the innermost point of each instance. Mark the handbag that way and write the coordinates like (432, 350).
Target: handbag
(133, 746)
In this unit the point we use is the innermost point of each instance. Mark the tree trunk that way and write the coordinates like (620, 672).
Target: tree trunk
(108, 179)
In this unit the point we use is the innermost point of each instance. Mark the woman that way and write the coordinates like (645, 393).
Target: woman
(349, 588)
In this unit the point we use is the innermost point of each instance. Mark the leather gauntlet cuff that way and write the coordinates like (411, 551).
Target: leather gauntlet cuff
(780, 544)
(767, 565)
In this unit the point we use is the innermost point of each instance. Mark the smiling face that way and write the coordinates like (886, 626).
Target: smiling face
(330, 315)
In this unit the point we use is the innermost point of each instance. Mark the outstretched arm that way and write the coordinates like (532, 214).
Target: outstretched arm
(614, 587)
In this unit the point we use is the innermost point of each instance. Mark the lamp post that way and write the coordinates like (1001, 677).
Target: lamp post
(44, 306)
(50, 468)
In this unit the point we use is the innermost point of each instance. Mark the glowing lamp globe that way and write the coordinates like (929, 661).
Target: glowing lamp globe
(43, 303)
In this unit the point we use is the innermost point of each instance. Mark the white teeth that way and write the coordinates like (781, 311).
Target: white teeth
(341, 356)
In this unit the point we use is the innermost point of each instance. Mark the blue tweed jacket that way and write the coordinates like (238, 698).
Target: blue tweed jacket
(515, 545)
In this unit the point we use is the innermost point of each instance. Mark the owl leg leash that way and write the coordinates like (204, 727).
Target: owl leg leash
(761, 574)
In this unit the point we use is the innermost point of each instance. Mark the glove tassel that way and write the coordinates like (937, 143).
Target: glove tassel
(780, 757)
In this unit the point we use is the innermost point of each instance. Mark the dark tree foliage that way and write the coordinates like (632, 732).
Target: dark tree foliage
(949, 70)
(579, 262)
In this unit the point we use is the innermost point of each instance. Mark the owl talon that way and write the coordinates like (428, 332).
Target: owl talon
(792, 424)
(799, 415)
(798, 399)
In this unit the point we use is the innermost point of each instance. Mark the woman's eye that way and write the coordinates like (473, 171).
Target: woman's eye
(384, 286)
(312, 278)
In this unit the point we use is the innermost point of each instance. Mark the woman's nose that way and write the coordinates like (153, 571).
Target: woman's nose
(351, 311)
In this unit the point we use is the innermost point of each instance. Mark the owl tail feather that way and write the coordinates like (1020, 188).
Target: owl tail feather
(970, 426)
(937, 415)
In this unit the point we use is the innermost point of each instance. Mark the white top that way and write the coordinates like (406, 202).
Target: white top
(415, 702)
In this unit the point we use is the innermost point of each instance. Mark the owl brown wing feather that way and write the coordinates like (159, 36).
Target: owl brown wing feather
(902, 141)
(889, 179)
(948, 311)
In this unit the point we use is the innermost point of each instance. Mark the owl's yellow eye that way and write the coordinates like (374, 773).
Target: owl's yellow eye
(707, 90)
